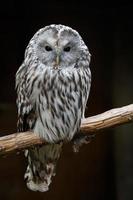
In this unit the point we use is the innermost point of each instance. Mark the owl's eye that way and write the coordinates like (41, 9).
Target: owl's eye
(67, 49)
(48, 48)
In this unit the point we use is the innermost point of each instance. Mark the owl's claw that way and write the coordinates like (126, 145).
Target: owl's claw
(80, 140)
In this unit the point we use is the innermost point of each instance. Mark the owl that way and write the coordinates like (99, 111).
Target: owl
(53, 85)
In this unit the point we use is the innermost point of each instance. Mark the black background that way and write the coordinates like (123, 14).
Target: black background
(102, 169)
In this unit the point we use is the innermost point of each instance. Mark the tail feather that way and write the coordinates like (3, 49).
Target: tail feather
(42, 166)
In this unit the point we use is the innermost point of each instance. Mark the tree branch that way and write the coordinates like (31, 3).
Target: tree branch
(111, 118)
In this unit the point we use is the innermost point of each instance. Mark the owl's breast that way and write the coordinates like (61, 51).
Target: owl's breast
(59, 106)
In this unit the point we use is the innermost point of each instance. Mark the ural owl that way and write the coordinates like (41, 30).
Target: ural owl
(53, 85)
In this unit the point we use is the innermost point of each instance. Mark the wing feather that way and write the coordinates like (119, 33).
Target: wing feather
(26, 113)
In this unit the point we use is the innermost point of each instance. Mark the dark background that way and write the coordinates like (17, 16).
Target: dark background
(104, 168)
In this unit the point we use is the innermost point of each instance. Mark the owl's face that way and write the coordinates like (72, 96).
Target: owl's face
(57, 47)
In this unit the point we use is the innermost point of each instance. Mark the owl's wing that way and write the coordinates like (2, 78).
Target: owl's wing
(26, 113)
(84, 78)
(86, 87)
(84, 84)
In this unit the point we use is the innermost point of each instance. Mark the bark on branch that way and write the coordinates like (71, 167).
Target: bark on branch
(111, 118)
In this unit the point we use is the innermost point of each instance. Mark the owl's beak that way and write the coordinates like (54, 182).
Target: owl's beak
(57, 61)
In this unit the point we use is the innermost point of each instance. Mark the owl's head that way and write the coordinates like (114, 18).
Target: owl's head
(57, 46)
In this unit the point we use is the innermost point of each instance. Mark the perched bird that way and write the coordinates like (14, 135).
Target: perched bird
(53, 85)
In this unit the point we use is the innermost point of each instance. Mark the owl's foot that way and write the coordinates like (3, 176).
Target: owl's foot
(80, 139)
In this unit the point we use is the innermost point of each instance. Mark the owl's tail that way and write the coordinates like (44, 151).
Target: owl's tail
(41, 166)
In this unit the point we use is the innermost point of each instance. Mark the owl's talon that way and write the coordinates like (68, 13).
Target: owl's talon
(82, 139)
